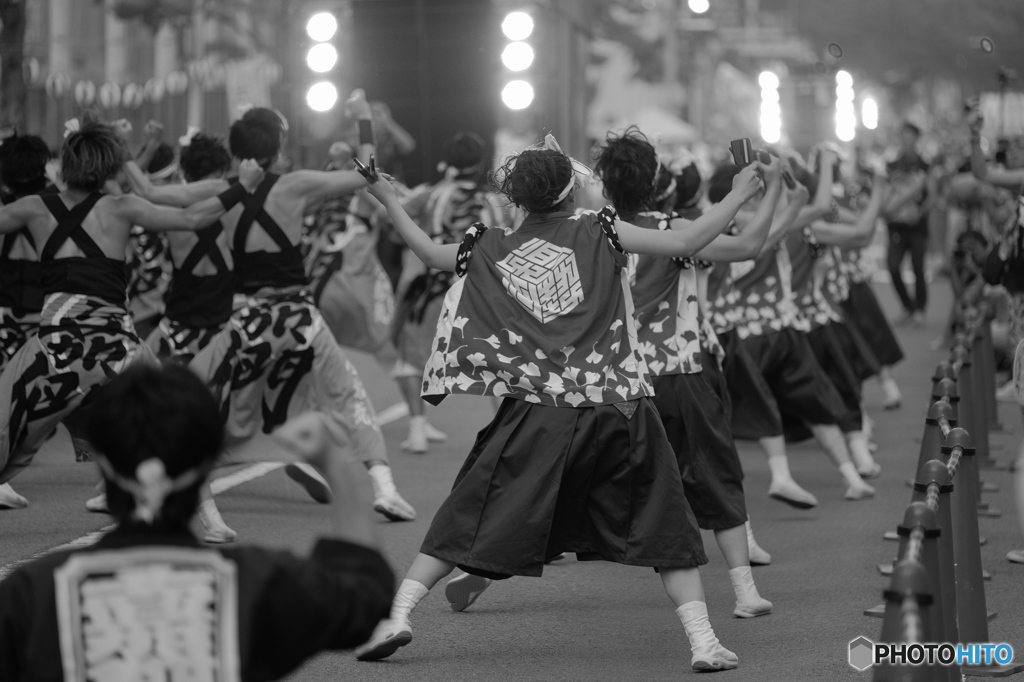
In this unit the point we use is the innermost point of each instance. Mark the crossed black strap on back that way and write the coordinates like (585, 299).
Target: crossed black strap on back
(254, 212)
(69, 226)
(206, 247)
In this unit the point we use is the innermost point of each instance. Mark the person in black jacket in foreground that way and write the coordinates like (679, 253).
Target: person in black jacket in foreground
(149, 601)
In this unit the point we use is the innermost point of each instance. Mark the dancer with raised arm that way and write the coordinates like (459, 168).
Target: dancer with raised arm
(542, 316)
(86, 335)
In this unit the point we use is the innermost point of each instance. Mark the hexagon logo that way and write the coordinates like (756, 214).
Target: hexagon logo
(862, 652)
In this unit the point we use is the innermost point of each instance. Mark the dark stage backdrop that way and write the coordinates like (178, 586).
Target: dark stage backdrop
(434, 63)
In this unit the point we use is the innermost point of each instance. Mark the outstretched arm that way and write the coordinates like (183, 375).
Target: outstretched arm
(171, 195)
(823, 192)
(860, 233)
(748, 243)
(140, 212)
(1007, 179)
(437, 256)
(686, 238)
(17, 214)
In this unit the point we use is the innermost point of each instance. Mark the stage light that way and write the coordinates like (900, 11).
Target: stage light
(322, 26)
(771, 109)
(869, 113)
(517, 26)
(322, 57)
(322, 96)
(517, 56)
(699, 6)
(844, 78)
(517, 94)
(768, 81)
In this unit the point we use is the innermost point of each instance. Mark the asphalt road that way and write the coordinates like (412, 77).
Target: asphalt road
(597, 621)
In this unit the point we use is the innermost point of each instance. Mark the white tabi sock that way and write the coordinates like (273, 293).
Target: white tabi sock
(408, 596)
(382, 480)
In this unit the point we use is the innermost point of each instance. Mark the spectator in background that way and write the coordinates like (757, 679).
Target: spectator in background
(906, 213)
(244, 613)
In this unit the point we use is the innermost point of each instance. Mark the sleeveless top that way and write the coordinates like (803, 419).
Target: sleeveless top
(666, 306)
(541, 314)
(255, 270)
(20, 287)
(95, 274)
(201, 300)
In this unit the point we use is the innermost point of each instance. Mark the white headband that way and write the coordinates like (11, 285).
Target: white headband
(581, 176)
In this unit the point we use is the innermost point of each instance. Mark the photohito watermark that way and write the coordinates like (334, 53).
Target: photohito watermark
(864, 654)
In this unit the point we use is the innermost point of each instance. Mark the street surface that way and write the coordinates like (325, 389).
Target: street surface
(598, 621)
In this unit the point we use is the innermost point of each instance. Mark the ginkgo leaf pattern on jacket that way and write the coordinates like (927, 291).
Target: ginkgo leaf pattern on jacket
(489, 342)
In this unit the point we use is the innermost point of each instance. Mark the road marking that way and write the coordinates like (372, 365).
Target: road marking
(84, 541)
(218, 485)
(251, 473)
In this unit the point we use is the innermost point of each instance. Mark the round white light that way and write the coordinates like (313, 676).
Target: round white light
(768, 81)
(771, 135)
(699, 6)
(517, 56)
(517, 95)
(844, 78)
(322, 26)
(322, 96)
(322, 57)
(844, 93)
(517, 26)
(846, 134)
(769, 95)
(869, 113)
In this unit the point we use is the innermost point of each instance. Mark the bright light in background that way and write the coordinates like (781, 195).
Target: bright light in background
(322, 26)
(768, 81)
(517, 95)
(322, 96)
(322, 57)
(869, 113)
(771, 111)
(699, 6)
(846, 117)
(517, 56)
(517, 26)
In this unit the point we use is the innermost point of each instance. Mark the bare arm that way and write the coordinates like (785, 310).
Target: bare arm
(17, 214)
(860, 233)
(318, 185)
(822, 203)
(695, 235)
(171, 195)
(905, 195)
(138, 211)
(753, 234)
(1007, 179)
(437, 256)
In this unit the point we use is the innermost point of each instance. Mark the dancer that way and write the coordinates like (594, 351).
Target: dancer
(668, 320)
(347, 281)
(771, 330)
(605, 483)
(834, 347)
(245, 614)
(686, 201)
(23, 160)
(86, 335)
(276, 357)
(149, 268)
(445, 211)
